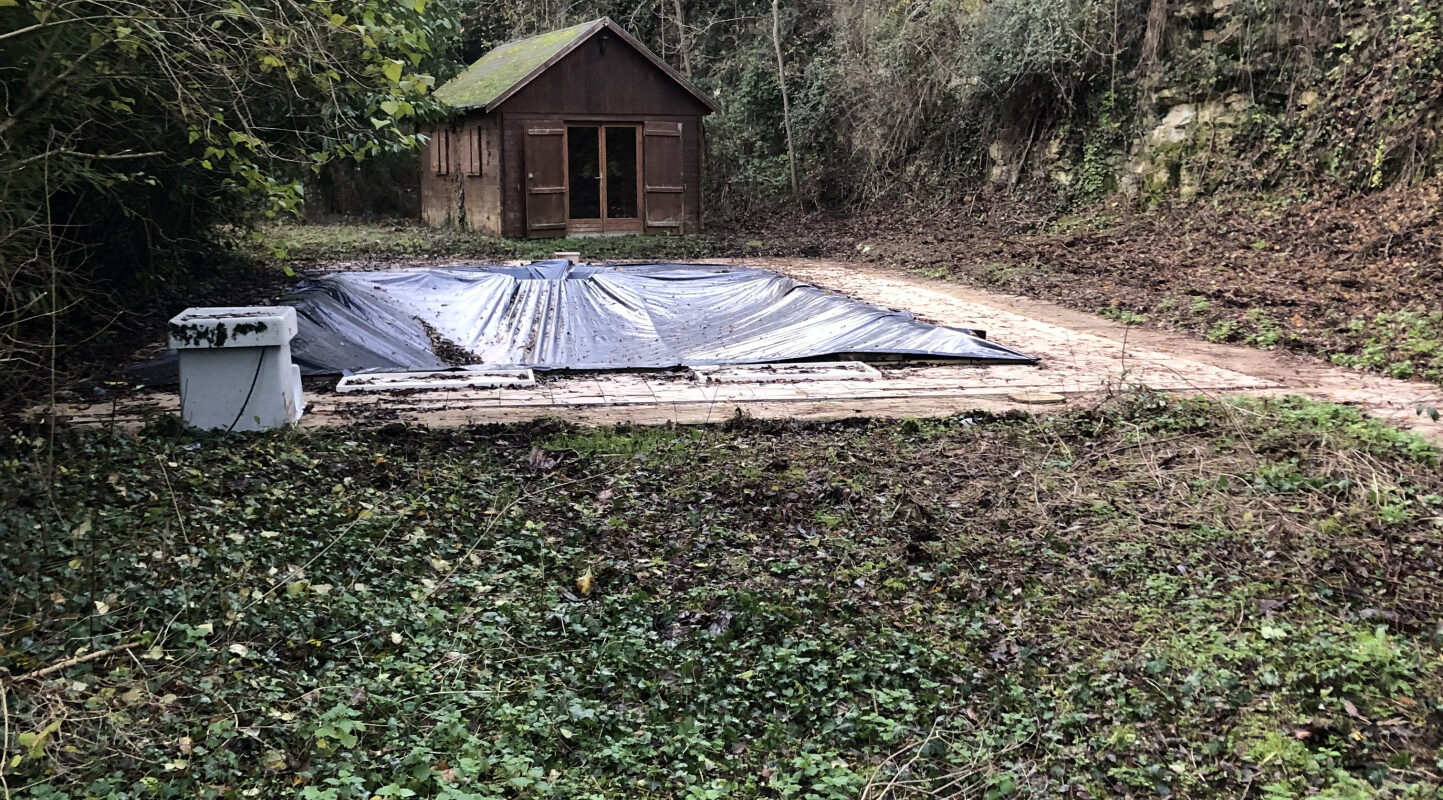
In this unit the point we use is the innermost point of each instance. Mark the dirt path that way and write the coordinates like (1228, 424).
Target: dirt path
(1069, 340)
(1356, 276)
(1083, 357)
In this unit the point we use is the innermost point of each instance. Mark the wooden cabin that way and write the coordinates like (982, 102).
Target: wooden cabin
(578, 131)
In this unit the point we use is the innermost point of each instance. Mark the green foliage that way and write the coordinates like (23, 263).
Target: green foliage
(1019, 42)
(914, 95)
(1265, 331)
(1104, 138)
(1366, 118)
(768, 609)
(1344, 422)
(1403, 344)
(301, 243)
(1222, 331)
(131, 127)
(1123, 315)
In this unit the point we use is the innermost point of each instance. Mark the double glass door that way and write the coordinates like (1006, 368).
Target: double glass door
(603, 164)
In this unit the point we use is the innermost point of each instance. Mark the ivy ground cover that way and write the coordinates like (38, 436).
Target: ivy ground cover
(1154, 598)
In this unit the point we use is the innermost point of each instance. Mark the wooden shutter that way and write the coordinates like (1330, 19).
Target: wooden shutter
(439, 146)
(473, 150)
(545, 156)
(662, 176)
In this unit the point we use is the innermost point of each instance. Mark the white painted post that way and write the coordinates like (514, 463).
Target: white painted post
(235, 367)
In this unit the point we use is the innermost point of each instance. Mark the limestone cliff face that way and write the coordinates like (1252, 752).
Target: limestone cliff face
(1249, 94)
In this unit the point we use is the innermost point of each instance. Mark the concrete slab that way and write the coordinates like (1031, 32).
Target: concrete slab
(459, 378)
(787, 372)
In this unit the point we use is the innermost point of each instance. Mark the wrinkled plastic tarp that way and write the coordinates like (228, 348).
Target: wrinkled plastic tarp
(555, 315)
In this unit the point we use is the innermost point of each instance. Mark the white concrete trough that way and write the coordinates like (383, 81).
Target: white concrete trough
(791, 372)
(235, 367)
(470, 377)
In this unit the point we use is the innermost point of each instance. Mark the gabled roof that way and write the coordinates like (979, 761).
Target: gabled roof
(506, 70)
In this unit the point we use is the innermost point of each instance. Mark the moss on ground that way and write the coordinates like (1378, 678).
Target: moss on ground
(298, 244)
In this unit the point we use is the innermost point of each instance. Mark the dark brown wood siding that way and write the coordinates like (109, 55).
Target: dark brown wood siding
(611, 80)
(513, 163)
(595, 83)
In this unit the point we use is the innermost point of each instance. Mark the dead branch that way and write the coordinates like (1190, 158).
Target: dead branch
(45, 672)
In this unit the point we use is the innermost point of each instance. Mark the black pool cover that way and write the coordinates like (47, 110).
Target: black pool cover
(556, 315)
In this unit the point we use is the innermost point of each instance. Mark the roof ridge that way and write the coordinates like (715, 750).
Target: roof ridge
(540, 34)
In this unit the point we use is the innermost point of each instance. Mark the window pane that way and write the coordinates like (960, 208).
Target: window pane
(583, 158)
(621, 173)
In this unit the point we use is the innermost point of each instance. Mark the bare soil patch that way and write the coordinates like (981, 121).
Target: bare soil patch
(1355, 279)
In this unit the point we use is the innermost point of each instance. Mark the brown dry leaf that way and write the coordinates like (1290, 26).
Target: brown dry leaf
(540, 460)
(1352, 709)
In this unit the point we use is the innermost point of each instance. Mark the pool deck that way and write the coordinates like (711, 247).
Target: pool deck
(1084, 358)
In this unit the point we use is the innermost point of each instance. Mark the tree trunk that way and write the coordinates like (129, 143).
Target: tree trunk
(1153, 35)
(681, 48)
(786, 103)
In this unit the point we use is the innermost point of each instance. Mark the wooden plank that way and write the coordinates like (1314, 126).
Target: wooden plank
(483, 190)
(615, 80)
(511, 188)
(545, 154)
(472, 149)
(664, 176)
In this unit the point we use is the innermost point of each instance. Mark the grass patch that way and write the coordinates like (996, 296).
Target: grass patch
(1156, 597)
(351, 241)
(1124, 315)
(1403, 344)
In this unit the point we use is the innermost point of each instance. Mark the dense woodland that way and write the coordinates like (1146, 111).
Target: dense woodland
(928, 102)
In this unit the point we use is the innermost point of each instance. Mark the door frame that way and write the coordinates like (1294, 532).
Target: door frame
(604, 224)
